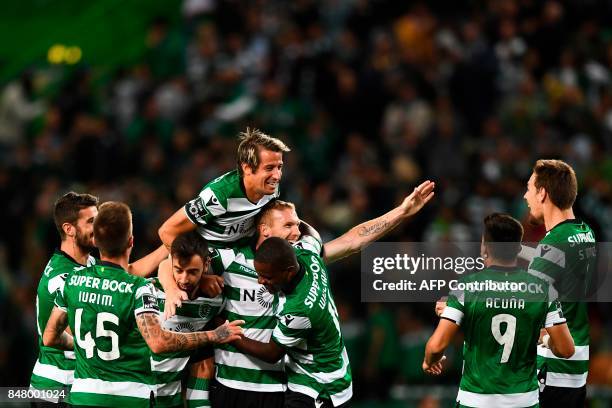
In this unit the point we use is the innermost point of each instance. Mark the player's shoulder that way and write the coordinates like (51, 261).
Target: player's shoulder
(308, 245)
(573, 231)
(225, 185)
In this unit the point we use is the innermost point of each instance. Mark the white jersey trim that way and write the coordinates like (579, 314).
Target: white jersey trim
(343, 396)
(566, 380)
(53, 373)
(169, 365)
(169, 389)
(118, 388)
(233, 359)
(519, 399)
(581, 353)
(453, 314)
(192, 394)
(242, 385)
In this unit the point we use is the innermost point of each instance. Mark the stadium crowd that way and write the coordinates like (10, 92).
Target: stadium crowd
(372, 96)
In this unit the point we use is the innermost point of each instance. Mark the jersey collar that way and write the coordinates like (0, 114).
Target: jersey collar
(64, 254)
(569, 221)
(111, 264)
(292, 284)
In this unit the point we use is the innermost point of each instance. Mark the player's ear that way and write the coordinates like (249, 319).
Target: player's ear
(131, 241)
(246, 169)
(541, 194)
(264, 230)
(68, 229)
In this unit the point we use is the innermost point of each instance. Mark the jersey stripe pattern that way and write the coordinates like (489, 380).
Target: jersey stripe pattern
(501, 330)
(222, 212)
(54, 368)
(168, 368)
(247, 300)
(307, 327)
(565, 257)
(113, 361)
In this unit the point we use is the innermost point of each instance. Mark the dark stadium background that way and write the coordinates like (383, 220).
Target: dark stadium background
(141, 101)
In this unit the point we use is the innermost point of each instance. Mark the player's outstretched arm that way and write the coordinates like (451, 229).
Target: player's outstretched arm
(437, 343)
(54, 334)
(560, 341)
(148, 264)
(268, 352)
(165, 341)
(174, 226)
(361, 235)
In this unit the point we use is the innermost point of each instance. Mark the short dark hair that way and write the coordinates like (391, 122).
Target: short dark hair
(67, 207)
(188, 244)
(501, 231)
(276, 251)
(251, 143)
(559, 180)
(113, 228)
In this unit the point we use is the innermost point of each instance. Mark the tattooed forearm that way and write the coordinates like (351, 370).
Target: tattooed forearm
(374, 228)
(163, 341)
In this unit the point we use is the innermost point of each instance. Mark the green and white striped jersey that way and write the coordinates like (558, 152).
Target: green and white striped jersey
(308, 329)
(168, 368)
(565, 257)
(501, 333)
(54, 368)
(113, 361)
(247, 300)
(222, 211)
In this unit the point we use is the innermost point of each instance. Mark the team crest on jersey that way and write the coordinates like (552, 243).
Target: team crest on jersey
(205, 311)
(264, 298)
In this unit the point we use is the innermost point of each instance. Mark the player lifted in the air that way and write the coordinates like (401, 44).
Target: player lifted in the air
(501, 327)
(225, 208)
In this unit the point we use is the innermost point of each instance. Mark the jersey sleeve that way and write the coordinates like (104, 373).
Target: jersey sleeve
(208, 205)
(310, 243)
(454, 307)
(60, 299)
(554, 315)
(291, 330)
(145, 299)
(548, 263)
(221, 259)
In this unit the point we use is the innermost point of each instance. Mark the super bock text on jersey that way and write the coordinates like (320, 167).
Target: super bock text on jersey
(566, 258)
(501, 330)
(317, 363)
(113, 361)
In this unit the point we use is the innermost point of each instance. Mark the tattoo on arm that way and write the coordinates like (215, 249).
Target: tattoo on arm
(169, 341)
(375, 228)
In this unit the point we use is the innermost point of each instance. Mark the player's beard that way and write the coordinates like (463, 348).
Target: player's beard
(84, 241)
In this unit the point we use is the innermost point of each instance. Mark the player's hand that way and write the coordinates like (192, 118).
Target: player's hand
(174, 299)
(435, 368)
(228, 332)
(419, 197)
(211, 285)
(440, 305)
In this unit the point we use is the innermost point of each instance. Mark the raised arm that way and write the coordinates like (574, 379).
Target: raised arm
(361, 235)
(268, 352)
(437, 343)
(148, 264)
(165, 341)
(175, 225)
(55, 334)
